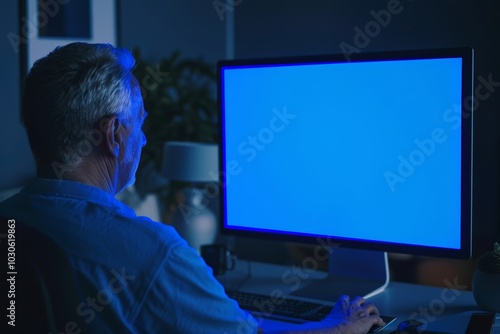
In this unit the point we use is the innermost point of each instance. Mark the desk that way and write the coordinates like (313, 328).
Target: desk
(442, 309)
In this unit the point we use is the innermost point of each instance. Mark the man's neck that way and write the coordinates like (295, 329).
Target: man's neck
(99, 173)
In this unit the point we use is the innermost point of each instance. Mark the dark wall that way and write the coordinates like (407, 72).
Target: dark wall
(281, 28)
(158, 27)
(16, 163)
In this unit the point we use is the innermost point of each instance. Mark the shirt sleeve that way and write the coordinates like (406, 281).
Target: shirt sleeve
(186, 298)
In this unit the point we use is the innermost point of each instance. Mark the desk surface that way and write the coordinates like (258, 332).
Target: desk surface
(443, 309)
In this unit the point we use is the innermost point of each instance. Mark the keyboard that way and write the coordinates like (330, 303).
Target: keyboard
(293, 310)
(287, 309)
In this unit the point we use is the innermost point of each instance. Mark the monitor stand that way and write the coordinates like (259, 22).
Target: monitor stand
(351, 272)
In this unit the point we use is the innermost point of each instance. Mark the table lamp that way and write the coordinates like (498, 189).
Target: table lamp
(194, 164)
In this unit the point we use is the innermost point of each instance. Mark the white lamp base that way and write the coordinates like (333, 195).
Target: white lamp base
(194, 221)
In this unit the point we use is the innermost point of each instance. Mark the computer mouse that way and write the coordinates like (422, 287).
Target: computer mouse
(409, 327)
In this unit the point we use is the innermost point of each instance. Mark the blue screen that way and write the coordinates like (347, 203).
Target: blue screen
(365, 151)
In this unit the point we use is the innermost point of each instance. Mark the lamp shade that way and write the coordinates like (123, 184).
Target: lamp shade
(190, 162)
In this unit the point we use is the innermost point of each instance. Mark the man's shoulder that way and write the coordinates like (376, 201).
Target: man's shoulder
(137, 237)
(97, 227)
(148, 228)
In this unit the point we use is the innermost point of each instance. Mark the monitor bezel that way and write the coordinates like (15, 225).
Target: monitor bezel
(467, 56)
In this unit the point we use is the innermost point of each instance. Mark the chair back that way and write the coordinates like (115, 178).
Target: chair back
(40, 281)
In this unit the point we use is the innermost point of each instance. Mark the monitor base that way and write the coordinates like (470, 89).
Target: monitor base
(352, 272)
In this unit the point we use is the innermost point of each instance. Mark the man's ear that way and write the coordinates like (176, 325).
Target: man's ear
(112, 138)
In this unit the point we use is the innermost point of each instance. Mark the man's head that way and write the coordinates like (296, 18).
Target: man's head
(83, 111)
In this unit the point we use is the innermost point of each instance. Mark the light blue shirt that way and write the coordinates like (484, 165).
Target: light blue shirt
(144, 272)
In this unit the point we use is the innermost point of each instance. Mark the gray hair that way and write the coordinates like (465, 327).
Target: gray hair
(67, 93)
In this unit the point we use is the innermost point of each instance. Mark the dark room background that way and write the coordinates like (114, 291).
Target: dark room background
(264, 28)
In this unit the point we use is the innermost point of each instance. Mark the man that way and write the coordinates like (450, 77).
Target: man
(83, 112)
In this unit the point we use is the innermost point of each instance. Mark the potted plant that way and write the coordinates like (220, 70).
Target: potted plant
(179, 96)
(486, 280)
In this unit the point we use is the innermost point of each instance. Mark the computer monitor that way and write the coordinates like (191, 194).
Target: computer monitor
(371, 153)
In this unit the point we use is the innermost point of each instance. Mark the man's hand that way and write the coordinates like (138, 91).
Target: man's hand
(354, 317)
(347, 317)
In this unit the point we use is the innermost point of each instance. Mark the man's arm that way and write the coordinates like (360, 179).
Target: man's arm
(347, 317)
(186, 298)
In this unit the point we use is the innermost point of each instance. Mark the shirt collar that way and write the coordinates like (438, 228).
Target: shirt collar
(73, 189)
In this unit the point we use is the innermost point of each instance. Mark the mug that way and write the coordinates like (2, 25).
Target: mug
(218, 257)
